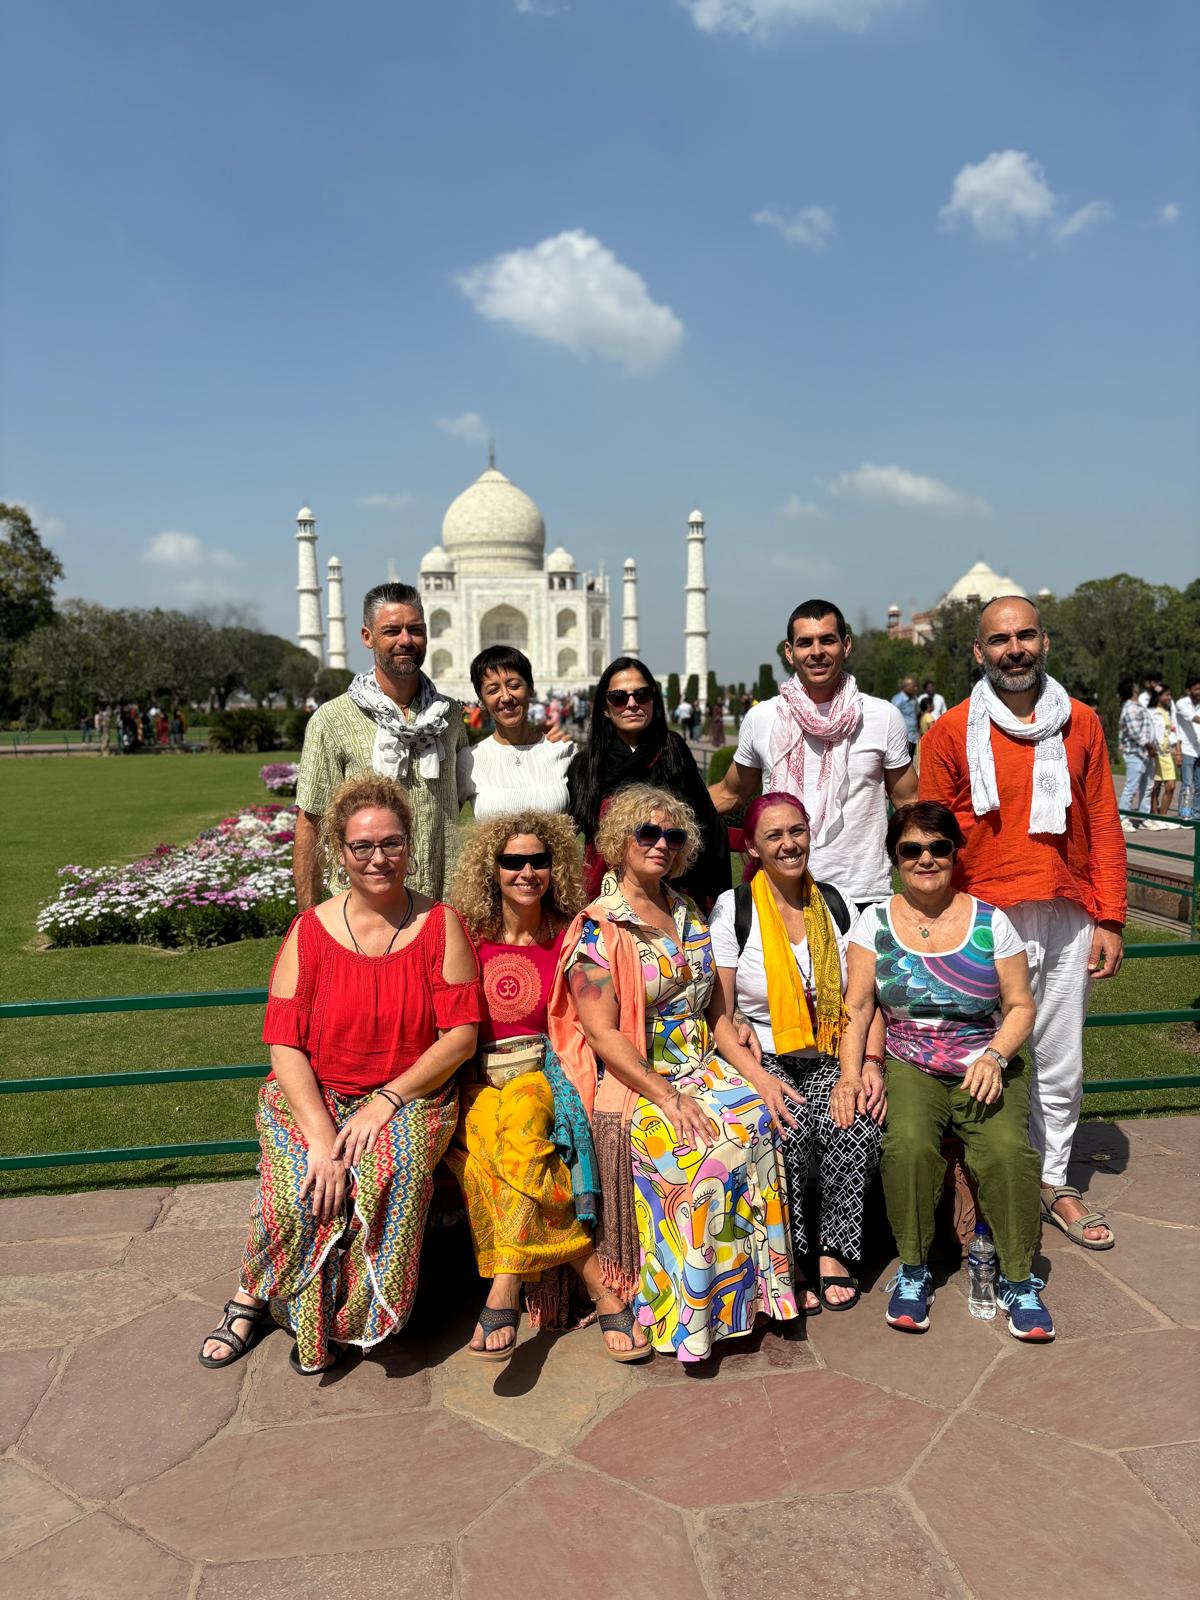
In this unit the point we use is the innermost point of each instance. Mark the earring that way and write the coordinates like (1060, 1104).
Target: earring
(413, 865)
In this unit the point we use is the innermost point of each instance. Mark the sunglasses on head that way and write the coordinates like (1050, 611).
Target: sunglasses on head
(511, 861)
(939, 849)
(622, 697)
(648, 834)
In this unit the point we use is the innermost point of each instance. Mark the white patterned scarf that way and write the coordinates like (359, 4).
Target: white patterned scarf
(1051, 776)
(797, 715)
(397, 741)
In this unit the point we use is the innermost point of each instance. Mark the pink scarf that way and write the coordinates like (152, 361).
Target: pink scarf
(798, 715)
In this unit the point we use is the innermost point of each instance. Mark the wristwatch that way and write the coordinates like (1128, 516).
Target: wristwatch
(1003, 1060)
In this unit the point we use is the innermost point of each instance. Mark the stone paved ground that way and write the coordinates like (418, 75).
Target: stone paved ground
(846, 1458)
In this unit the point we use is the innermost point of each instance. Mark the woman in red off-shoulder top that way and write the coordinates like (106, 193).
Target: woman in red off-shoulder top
(373, 1006)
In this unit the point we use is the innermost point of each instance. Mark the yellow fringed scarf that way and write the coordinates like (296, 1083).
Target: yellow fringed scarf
(791, 1024)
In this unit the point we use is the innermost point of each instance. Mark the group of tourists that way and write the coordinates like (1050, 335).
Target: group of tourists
(1160, 746)
(665, 1099)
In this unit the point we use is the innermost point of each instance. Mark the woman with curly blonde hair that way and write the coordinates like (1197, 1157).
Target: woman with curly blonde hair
(522, 1152)
(694, 1227)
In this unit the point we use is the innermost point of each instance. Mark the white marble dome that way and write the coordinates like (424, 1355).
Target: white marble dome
(560, 560)
(494, 527)
(983, 584)
(305, 515)
(436, 560)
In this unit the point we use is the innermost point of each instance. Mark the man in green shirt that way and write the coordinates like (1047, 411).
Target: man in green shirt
(393, 721)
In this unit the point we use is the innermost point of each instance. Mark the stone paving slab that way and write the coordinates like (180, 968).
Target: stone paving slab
(831, 1451)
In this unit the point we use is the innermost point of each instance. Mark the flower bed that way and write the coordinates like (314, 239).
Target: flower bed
(232, 882)
(279, 776)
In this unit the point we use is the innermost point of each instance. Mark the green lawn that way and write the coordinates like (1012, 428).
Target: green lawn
(91, 813)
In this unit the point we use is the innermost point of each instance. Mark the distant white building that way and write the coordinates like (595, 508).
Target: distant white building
(975, 588)
(490, 581)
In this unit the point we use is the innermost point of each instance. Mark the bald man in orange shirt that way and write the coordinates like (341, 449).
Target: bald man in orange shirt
(1024, 768)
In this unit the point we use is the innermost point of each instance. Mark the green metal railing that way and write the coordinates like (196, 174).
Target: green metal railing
(1134, 841)
(252, 997)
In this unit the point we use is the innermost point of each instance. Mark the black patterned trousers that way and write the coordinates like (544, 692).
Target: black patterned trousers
(847, 1159)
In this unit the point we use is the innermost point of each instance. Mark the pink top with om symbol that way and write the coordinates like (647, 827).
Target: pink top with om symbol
(517, 979)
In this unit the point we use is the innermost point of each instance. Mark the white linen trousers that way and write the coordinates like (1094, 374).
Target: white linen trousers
(1058, 941)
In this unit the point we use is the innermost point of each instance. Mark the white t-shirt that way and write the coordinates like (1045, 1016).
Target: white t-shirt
(501, 778)
(751, 971)
(938, 708)
(1189, 731)
(857, 859)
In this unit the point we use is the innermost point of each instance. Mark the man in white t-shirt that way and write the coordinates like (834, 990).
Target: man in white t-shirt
(1187, 713)
(845, 777)
(938, 706)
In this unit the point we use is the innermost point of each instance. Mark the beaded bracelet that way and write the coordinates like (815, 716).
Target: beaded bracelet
(878, 1060)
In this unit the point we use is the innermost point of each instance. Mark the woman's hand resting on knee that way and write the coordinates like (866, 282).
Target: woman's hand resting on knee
(325, 1179)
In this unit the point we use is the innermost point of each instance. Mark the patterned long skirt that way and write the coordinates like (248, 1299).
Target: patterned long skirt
(350, 1280)
(712, 1223)
(847, 1160)
(517, 1187)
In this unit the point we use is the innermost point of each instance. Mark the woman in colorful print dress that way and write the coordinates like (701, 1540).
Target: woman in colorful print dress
(522, 1153)
(694, 1220)
(952, 979)
(373, 1006)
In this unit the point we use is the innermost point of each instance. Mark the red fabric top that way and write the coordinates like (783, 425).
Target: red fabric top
(517, 979)
(1003, 862)
(363, 1020)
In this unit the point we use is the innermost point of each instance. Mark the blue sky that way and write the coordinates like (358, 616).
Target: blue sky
(882, 285)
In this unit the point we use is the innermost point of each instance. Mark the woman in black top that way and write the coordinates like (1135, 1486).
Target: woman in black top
(629, 742)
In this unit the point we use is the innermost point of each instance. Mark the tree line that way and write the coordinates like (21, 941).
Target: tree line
(59, 663)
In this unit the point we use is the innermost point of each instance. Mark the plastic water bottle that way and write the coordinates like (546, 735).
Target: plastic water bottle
(981, 1275)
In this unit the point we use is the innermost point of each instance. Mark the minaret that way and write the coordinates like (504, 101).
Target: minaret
(337, 614)
(695, 624)
(629, 612)
(309, 635)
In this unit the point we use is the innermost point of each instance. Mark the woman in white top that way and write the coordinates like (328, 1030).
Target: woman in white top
(518, 767)
(779, 942)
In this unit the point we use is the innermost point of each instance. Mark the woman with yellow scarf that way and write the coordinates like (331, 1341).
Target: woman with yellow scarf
(779, 944)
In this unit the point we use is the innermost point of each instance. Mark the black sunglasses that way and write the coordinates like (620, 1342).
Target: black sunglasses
(622, 697)
(939, 849)
(539, 860)
(648, 834)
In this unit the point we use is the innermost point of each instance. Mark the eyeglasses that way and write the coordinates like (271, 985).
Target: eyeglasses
(939, 849)
(539, 860)
(364, 849)
(622, 697)
(648, 834)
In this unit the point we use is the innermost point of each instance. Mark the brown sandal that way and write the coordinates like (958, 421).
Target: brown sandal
(1074, 1230)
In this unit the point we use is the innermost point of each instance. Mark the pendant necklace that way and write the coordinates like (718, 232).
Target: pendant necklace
(403, 924)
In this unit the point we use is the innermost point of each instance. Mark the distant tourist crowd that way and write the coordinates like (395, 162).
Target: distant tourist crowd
(666, 1099)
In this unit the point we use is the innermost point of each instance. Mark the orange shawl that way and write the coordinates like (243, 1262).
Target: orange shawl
(608, 1103)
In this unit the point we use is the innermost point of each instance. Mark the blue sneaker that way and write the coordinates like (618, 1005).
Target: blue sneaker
(912, 1295)
(1022, 1304)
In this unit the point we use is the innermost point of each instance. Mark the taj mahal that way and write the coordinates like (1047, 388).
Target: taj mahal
(490, 581)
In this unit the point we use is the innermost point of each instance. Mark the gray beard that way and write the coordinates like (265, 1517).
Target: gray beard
(1017, 682)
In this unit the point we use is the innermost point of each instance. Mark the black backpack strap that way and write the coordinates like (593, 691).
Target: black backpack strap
(838, 909)
(743, 914)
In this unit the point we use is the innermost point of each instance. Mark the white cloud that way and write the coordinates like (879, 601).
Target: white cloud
(813, 227)
(815, 568)
(48, 528)
(184, 550)
(796, 510)
(1086, 217)
(572, 291)
(898, 487)
(468, 425)
(385, 502)
(1005, 191)
(762, 17)
(534, 8)
(1169, 213)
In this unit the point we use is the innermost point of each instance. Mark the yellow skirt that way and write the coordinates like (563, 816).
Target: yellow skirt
(517, 1188)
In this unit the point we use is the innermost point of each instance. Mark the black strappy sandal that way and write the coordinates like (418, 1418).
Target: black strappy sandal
(492, 1320)
(838, 1281)
(308, 1372)
(235, 1311)
(622, 1322)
